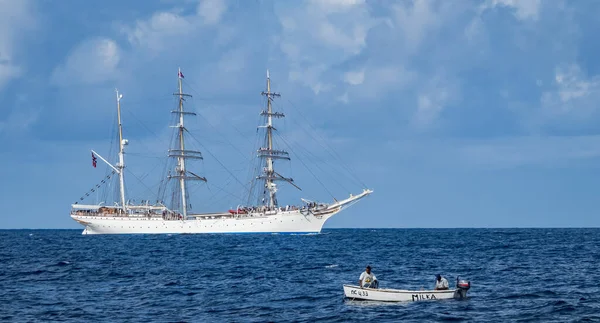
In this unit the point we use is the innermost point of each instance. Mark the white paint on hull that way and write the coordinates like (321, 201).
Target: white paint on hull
(396, 295)
(283, 222)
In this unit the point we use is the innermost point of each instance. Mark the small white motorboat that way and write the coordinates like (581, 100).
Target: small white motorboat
(399, 295)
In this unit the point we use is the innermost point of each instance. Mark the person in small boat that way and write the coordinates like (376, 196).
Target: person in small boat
(441, 283)
(367, 279)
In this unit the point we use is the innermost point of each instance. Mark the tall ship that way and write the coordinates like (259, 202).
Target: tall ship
(262, 214)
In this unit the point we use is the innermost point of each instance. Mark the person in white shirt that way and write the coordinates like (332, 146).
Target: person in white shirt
(441, 283)
(367, 279)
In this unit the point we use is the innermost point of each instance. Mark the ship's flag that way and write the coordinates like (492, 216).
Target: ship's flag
(180, 75)
(93, 160)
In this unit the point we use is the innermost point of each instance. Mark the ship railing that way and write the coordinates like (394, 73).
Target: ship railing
(116, 214)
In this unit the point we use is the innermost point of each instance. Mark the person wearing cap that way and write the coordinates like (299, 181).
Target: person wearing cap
(367, 279)
(441, 283)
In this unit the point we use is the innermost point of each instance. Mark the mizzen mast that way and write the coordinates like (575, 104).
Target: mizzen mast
(267, 152)
(181, 173)
(122, 144)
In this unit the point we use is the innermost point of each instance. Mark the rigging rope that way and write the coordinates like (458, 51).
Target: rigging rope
(315, 158)
(330, 149)
(313, 174)
(102, 182)
(215, 158)
(162, 189)
(224, 190)
(148, 189)
(217, 129)
(149, 130)
(225, 137)
(247, 160)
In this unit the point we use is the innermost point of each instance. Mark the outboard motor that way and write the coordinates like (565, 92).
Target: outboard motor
(462, 286)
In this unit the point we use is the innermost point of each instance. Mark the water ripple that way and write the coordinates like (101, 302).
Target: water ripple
(518, 275)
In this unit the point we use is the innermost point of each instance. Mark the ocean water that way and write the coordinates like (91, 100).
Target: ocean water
(537, 275)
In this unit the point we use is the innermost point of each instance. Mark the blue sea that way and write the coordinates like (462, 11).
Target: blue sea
(529, 275)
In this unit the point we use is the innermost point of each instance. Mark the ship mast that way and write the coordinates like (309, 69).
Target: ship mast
(267, 152)
(122, 143)
(181, 173)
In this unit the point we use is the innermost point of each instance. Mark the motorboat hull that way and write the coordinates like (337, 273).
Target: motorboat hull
(398, 295)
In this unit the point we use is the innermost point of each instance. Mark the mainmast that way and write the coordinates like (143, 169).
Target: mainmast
(122, 143)
(182, 174)
(267, 152)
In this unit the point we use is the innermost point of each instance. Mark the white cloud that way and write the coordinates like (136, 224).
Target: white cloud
(375, 81)
(211, 11)
(351, 41)
(233, 61)
(573, 94)
(415, 20)
(344, 98)
(310, 77)
(427, 109)
(354, 78)
(432, 99)
(92, 62)
(380, 80)
(324, 34)
(430, 105)
(163, 40)
(524, 9)
(320, 34)
(572, 84)
(165, 29)
(153, 38)
(323, 44)
(21, 119)
(8, 71)
(156, 33)
(475, 32)
(330, 6)
(536, 151)
(497, 153)
(15, 17)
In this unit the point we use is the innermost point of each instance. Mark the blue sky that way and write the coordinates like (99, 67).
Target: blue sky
(457, 113)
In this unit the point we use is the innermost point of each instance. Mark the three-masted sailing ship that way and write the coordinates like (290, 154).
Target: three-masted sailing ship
(266, 216)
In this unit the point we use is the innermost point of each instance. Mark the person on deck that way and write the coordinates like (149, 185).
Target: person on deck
(367, 279)
(441, 283)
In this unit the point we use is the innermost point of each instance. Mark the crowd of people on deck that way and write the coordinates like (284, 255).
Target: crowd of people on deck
(102, 211)
(265, 208)
(170, 215)
(119, 212)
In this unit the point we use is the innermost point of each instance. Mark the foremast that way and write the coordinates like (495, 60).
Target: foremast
(180, 153)
(121, 164)
(268, 153)
(119, 167)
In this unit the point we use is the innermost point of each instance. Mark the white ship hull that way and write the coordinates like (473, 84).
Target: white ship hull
(282, 222)
(298, 221)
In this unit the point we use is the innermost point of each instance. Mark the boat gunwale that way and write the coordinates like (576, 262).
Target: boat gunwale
(402, 291)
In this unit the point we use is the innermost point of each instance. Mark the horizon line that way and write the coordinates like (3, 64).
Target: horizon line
(340, 228)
